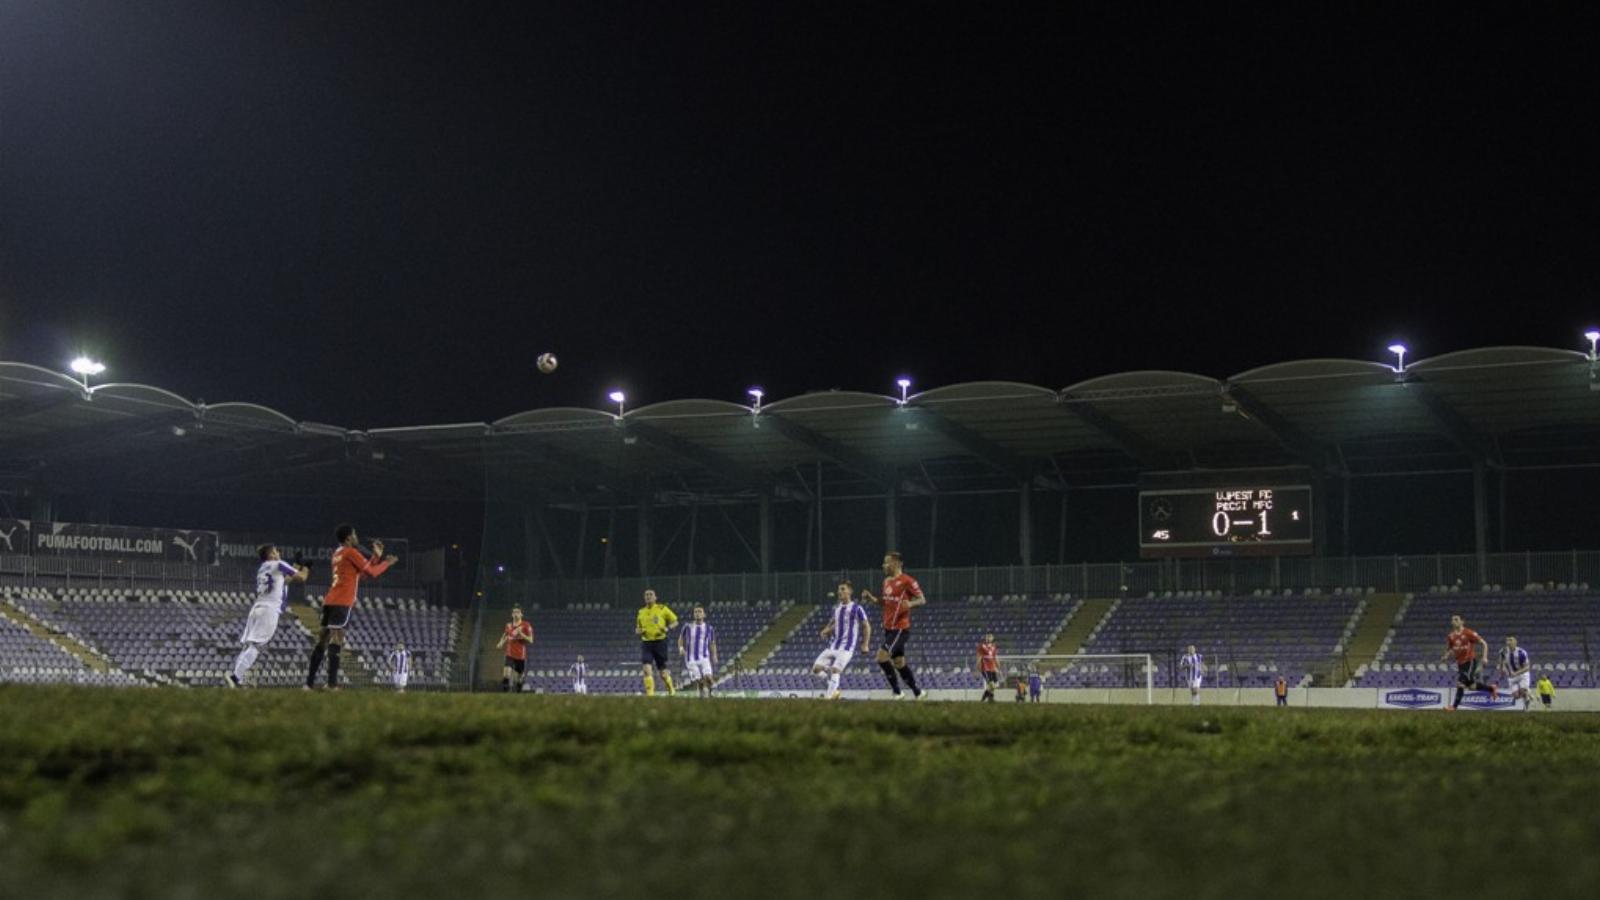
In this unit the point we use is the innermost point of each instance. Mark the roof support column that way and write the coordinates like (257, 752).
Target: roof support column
(1480, 517)
(646, 551)
(891, 515)
(1025, 521)
(764, 530)
(530, 542)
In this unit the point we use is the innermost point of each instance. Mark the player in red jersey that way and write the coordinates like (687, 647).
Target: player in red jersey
(517, 638)
(1462, 643)
(348, 566)
(900, 593)
(989, 667)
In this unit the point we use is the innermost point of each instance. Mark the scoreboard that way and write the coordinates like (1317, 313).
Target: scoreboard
(1244, 520)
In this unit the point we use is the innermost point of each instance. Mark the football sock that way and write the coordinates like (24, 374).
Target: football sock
(671, 688)
(334, 650)
(505, 685)
(649, 686)
(316, 664)
(247, 658)
(1460, 692)
(909, 679)
(889, 673)
(833, 682)
(519, 686)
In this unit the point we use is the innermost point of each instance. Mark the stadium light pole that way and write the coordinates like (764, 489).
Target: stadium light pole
(905, 385)
(86, 367)
(755, 396)
(1594, 343)
(619, 398)
(1399, 350)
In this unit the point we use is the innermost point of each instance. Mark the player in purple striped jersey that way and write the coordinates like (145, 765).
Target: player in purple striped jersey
(580, 676)
(1193, 669)
(400, 666)
(847, 631)
(697, 644)
(272, 580)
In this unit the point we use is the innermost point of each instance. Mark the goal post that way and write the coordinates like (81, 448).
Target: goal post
(1074, 671)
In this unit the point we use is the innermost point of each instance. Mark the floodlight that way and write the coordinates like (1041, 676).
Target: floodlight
(84, 367)
(1399, 350)
(905, 384)
(755, 395)
(619, 398)
(1594, 343)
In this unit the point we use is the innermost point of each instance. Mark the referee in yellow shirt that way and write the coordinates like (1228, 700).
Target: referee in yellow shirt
(655, 620)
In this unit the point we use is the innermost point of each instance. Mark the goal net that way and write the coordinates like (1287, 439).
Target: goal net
(1092, 677)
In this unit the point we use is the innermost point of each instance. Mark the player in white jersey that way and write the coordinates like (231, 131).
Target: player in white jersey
(400, 666)
(1517, 669)
(580, 676)
(1193, 669)
(272, 580)
(847, 631)
(697, 644)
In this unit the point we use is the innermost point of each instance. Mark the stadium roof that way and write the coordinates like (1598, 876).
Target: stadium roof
(1510, 407)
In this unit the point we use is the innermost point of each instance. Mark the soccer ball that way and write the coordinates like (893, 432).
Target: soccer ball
(547, 363)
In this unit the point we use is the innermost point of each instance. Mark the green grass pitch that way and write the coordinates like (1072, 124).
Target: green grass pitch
(209, 793)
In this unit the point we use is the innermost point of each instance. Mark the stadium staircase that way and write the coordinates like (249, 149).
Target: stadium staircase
(1364, 643)
(1080, 625)
(768, 641)
(80, 651)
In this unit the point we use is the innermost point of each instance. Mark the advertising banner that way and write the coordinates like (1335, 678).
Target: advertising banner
(120, 542)
(1436, 698)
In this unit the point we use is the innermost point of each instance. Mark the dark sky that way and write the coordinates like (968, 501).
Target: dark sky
(372, 215)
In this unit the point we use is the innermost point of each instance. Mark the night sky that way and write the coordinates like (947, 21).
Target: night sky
(372, 214)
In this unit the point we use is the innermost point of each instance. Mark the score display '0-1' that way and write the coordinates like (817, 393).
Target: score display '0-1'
(1211, 520)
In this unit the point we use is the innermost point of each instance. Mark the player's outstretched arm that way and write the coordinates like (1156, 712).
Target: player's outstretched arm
(867, 595)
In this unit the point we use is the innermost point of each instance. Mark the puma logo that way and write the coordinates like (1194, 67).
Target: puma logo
(188, 546)
(6, 536)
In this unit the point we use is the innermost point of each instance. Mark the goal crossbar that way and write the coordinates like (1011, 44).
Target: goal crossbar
(1062, 660)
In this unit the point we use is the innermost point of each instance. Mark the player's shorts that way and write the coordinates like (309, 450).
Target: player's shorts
(698, 669)
(654, 653)
(400, 680)
(991, 677)
(1518, 682)
(518, 666)
(1467, 672)
(262, 623)
(1545, 698)
(336, 616)
(1194, 683)
(580, 688)
(834, 659)
(894, 641)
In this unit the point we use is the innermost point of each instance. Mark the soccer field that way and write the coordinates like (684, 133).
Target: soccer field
(285, 794)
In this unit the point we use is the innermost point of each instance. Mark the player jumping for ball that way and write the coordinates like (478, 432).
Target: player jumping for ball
(1462, 643)
(900, 593)
(272, 582)
(349, 566)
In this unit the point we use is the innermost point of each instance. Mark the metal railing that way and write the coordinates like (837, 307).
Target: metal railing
(1407, 573)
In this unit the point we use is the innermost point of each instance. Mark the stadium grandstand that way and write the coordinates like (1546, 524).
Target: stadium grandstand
(1446, 484)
